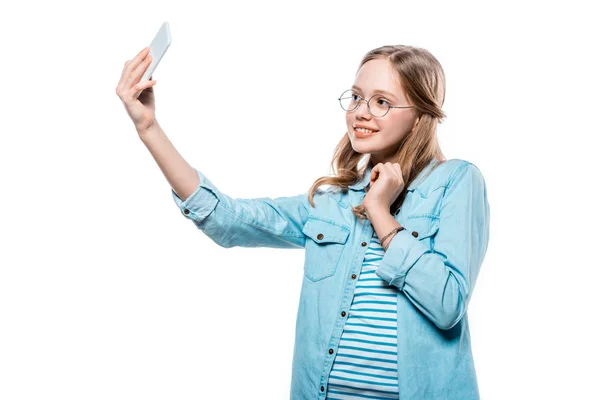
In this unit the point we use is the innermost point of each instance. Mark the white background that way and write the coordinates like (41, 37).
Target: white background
(108, 292)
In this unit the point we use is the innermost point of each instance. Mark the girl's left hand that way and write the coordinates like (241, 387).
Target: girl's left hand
(385, 186)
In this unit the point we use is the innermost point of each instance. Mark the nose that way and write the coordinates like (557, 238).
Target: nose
(363, 112)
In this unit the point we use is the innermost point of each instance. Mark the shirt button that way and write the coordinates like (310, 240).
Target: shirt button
(415, 234)
(320, 236)
(343, 313)
(363, 244)
(330, 351)
(186, 211)
(322, 388)
(353, 276)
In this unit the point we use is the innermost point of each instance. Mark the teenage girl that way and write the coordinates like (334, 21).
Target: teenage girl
(393, 246)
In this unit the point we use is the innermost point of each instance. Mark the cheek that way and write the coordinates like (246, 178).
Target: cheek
(398, 124)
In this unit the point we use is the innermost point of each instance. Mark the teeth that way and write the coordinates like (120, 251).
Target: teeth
(364, 130)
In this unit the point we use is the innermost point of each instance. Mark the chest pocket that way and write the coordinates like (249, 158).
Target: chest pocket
(324, 244)
(422, 227)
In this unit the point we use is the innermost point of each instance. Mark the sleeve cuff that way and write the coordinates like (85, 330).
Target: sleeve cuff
(403, 252)
(201, 203)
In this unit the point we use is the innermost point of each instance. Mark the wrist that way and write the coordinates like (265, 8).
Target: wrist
(388, 238)
(151, 131)
(377, 210)
(148, 130)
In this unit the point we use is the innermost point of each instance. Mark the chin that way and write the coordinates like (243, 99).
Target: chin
(362, 149)
(362, 146)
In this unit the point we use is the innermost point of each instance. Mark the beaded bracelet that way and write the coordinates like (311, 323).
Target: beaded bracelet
(395, 230)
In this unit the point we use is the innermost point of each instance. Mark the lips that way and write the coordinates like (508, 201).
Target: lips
(362, 135)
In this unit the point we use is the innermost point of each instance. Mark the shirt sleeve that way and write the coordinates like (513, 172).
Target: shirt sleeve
(259, 222)
(440, 282)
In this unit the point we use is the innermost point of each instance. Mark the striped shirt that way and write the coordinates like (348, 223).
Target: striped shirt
(365, 366)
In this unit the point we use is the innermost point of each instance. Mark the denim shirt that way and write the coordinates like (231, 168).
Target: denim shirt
(434, 264)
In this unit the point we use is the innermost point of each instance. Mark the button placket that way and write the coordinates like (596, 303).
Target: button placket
(343, 313)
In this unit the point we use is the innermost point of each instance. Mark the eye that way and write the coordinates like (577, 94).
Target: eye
(355, 97)
(381, 99)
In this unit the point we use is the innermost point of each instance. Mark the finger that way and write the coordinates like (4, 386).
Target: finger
(374, 173)
(139, 71)
(386, 168)
(391, 172)
(121, 83)
(392, 168)
(124, 82)
(124, 69)
(139, 57)
(141, 86)
(137, 60)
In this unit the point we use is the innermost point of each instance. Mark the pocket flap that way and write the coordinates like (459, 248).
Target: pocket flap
(325, 231)
(422, 226)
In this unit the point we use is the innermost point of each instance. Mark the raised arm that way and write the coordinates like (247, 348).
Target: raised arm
(229, 222)
(180, 175)
(260, 222)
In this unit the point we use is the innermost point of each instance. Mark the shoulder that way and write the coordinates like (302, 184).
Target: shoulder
(446, 174)
(463, 176)
(454, 168)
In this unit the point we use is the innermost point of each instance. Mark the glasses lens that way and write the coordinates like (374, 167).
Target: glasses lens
(379, 106)
(349, 100)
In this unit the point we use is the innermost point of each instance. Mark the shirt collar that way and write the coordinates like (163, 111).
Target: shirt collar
(367, 178)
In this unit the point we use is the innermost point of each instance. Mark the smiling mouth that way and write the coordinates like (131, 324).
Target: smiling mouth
(361, 133)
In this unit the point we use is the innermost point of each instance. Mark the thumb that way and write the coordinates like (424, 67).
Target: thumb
(374, 174)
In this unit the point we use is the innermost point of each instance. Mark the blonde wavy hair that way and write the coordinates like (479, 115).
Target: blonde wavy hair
(422, 79)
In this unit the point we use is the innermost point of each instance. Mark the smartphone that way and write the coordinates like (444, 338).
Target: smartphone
(158, 48)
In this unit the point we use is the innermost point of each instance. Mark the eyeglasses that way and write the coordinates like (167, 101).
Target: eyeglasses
(377, 105)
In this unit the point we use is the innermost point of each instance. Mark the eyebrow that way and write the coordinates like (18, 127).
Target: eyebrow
(376, 91)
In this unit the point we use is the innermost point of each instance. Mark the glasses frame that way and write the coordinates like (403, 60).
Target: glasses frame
(367, 101)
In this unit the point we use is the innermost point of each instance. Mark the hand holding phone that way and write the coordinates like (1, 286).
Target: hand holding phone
(158, 48)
